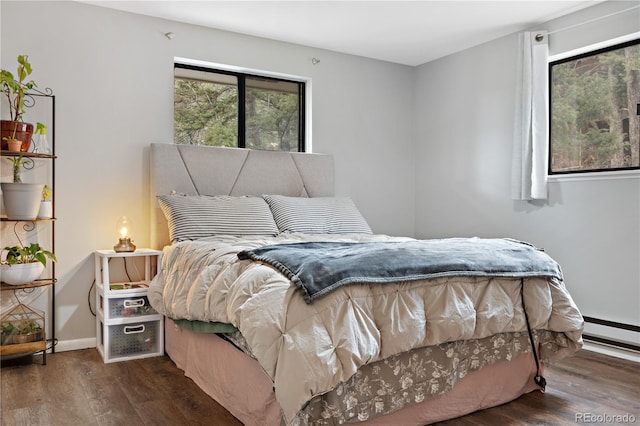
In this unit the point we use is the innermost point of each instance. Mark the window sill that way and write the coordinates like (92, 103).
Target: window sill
(621, 174)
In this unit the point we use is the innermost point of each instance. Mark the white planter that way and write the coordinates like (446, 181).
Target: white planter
(21, 200)
(21, 273)
(46, 210)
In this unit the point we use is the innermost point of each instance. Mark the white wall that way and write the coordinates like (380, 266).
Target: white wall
(112, 74)
(463, 171)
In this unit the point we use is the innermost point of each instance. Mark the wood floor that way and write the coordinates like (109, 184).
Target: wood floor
(76, 388)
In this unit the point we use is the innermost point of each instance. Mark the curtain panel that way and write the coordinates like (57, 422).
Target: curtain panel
(531, 121)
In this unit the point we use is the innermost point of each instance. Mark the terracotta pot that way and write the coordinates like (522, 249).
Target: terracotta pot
(23, 132)
(14, 145)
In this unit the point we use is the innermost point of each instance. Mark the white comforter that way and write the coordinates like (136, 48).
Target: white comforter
(308, 349)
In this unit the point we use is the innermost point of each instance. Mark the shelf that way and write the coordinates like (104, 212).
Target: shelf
(137, 252)
(140, 288)
(29, 160)
(6, 219)
(7, 153)
(24, 348)
(129, 286)
(34, 284)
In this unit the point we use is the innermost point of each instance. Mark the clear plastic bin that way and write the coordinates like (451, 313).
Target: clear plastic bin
(133, 306)
(134, 339)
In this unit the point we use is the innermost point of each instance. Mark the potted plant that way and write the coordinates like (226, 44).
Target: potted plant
(27, 331)
(24, 264)
(46, 206)
(14, 145)
(17, 163)
(11, 142)
(21, 200)
(15, 91)
(7, 330)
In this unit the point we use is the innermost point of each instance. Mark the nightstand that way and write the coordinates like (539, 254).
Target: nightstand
(127, 327)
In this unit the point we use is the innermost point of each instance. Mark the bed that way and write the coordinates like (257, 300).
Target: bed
(276, 342)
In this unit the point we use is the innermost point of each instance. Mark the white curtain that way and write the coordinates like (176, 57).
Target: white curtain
(531, 127)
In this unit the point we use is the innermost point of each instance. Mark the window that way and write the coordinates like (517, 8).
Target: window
(225, 108)
(594, 110)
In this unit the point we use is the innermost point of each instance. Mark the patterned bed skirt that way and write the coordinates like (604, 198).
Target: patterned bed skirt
(385, 386)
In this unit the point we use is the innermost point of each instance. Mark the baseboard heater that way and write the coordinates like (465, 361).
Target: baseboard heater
(611, 341)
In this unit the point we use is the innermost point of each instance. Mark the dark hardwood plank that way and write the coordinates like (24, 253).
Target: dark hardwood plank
(66, 402)
(22, 393)
(27, 416)
(21, 387)
(109, 403)
(160, 412)
(77, 388)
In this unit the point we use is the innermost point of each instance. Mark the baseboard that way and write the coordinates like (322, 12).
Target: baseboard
(76, 344)
(612, 351)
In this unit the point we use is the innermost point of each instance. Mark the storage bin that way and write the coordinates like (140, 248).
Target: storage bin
(130, 340)
(132, 306)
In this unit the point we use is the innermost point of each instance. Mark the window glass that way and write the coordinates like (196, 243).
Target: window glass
(272, 115)
(594, 110)
(221, 108)
(205, 109)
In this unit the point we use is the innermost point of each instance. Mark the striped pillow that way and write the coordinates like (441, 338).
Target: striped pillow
(321, 215)
(197, 216)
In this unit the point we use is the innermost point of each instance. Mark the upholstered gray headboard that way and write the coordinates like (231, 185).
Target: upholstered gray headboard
(204, 170)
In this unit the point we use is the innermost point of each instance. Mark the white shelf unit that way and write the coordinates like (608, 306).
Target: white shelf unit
(127, 327)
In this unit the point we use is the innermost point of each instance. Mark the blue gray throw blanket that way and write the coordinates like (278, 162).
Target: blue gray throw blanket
(317, 268)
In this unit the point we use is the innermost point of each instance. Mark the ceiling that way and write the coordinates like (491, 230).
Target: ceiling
(404, 32)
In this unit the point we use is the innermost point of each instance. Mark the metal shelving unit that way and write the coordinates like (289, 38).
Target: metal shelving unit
(30, 348)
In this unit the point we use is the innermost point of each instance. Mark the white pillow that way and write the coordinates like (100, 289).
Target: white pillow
(319, 215)
(197, 216)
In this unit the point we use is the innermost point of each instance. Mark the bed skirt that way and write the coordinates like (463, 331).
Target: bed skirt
(239, 384)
